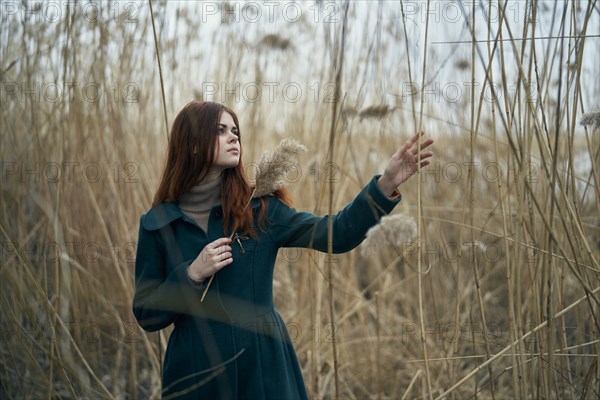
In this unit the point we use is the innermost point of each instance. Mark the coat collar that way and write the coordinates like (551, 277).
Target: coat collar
(166, 212)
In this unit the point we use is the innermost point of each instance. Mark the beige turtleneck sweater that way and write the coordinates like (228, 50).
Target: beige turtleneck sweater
(200, 199)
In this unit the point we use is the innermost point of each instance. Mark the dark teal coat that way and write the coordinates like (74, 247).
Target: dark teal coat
(234, 344)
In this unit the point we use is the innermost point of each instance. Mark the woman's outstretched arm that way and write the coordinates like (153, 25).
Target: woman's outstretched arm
(292, 228)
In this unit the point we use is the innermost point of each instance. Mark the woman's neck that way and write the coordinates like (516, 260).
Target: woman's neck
(199, 200)
(214, 173)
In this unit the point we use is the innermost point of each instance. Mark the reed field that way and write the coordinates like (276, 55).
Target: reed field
(486, 285)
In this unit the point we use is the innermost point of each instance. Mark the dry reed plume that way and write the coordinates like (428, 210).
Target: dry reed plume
(397, 230)
(591, 120)
(273, 167)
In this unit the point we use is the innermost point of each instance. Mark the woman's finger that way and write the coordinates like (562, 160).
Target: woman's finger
(407, 146)
(223, 263)
(415, 138)
(426, 143)
(220, 251)
(425, 155)
(217, 246)
(216, 252)
(402, 150)
(220, 241)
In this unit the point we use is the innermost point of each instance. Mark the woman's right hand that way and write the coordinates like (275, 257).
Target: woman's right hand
(211, 259)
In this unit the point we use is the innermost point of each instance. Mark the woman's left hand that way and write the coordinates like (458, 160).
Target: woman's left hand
(403, 163)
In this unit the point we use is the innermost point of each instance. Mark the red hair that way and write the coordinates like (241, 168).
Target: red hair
(190, 154)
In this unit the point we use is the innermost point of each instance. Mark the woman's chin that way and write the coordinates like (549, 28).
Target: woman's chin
(232, 165)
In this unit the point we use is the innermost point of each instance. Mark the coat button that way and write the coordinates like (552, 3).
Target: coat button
(218, 214)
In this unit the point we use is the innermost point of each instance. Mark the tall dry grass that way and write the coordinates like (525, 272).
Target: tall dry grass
(508, 213)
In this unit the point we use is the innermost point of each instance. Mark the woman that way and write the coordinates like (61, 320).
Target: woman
(234, 344)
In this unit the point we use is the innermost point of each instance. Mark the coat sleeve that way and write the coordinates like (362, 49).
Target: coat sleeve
(160, 297)
(292, 228)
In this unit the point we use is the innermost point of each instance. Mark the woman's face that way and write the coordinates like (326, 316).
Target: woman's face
(227, 151)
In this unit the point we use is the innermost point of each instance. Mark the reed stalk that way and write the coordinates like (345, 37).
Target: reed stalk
(338, 65)
(420, 212)
(507, 348)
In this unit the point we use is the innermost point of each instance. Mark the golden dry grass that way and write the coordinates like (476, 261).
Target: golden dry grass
(510, 205)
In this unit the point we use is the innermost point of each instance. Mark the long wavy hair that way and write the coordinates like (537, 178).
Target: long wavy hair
(191, 153)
